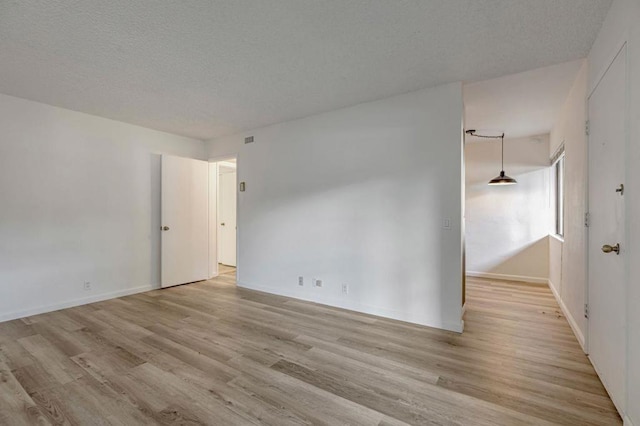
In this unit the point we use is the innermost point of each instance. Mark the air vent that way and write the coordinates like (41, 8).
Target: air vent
(248, 139)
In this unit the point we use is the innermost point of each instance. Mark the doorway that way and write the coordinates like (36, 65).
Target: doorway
(227, 179)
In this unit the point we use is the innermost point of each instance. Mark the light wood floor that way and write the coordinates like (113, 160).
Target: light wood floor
(226, 269)
(215, 354)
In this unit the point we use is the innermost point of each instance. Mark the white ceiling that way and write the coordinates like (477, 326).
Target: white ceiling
(206, 68)
(522, 104)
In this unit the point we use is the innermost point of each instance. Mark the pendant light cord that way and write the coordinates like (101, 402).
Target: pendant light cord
(503, 179)
(502, 165)
(501, 137)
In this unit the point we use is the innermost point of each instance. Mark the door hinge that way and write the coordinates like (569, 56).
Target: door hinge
(586, 127)
(586, 310)
(586, 219)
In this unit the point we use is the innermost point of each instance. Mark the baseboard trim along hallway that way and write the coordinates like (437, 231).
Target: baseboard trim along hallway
(504, 277)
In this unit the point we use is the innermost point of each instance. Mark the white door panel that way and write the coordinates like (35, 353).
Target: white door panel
(227, 218)
(607, 275)
(185, 220)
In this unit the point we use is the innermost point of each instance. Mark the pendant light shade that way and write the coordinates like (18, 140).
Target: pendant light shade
(502, 179)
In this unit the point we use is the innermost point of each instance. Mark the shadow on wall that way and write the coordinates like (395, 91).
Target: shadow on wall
(380, 241)
(522, 261)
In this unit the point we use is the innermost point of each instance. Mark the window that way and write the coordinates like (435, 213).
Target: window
(558, 171)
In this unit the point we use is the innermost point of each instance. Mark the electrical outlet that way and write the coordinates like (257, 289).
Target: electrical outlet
(87, 285)
(317, 283)
(300, 281)
(345, 288)
(446, 223)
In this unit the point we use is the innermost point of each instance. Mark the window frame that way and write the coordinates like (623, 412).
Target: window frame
(559, 168)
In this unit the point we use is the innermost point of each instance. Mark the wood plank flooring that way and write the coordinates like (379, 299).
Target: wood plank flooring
(211, 353)
(226, 269)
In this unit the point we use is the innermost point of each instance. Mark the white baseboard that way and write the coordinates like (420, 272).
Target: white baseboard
(519, 278)
(75, 302)
(456, 326)
(569, 317)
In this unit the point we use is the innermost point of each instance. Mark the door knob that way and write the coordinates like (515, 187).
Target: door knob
(222, 224)
(165, 228)
(608, 249)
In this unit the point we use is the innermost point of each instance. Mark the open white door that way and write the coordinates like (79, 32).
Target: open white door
(185, 220)
(227, 196)
(607, 243)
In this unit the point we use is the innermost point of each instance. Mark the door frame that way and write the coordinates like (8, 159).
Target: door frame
(617, 50)
(217, 160)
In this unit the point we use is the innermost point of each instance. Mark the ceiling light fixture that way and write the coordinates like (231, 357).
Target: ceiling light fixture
(502, 179)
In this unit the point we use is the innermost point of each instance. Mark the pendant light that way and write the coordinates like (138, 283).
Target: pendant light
(501, 179)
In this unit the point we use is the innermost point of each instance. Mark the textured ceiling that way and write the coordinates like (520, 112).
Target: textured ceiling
(205, 68)
(520, 105)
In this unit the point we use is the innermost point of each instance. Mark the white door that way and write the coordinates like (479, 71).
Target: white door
(227, 217)
(185, 220)
(607, 277)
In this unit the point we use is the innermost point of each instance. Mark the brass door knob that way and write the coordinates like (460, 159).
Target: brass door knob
(608, 249)
(222, 224)
(165, 228)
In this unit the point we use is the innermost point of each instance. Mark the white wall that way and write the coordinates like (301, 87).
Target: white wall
(80, 201)
(507, 226)
(555, 263)
(358, 196)
(622, 24)
(568, 258)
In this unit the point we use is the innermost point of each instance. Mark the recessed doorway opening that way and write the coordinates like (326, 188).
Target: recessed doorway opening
(224, 216)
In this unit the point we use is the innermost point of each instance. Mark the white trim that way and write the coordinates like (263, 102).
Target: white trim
(75, 302)
(519, 278)
(570, 319)
(356, 307)
(627, 421)
(557, 237)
